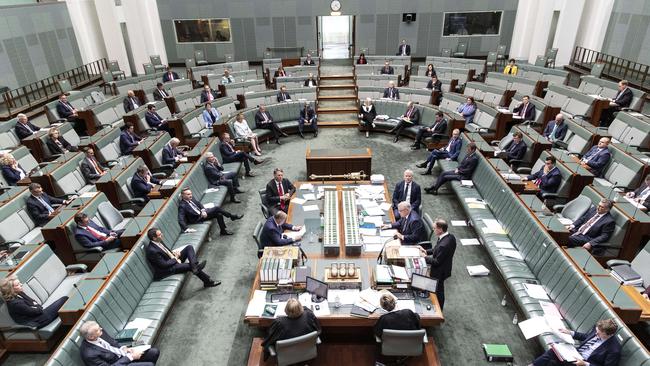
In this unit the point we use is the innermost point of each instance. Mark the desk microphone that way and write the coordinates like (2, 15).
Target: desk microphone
(548, 223)
(381, 252)
(584, 266)
(106, 266)
(562, 156)
(629, 143)
(636, 208)
(611, 190)
(80, 294)
(616, 292)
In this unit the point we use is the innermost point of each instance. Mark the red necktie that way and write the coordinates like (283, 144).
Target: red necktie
(281, 193)
(95, 233)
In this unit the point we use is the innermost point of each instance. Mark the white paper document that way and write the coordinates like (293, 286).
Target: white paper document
(378, 221)
(503, 244)
(492, 224)
(367, 231)
(309, 197)
(374, 211)
(310, 208)
(564, 221)
(170, 182)
(472, 241)
(256, 305)
(568, 352)
(298, 201)
(306, 187)
(478, 270)
(371, 239)
(399, 273)
(536, 291)
(139, 323)
(142, 348)
(346, 297)
(88, 194)
(388, 233)
(209, 205)
(550, 309)
(385, 206)
(534, 326)
(511, 253)
(458, 223)
(210, 190)
(466, 183)
(406, 304)
(373, 247)
(472, 199)
(295, 234)
(405, 251)
(370, 296)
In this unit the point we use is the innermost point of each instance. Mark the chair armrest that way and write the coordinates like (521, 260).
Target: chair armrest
(68, 196)
(495, 142)
(518, 162)
(624, 188)
(581, 116)
(427, 244)
(79, 267)
(377, 339)
(616, 262)
(127, 213)
(43, 164)
(524, 170)
(557, 208)
(159, 175)
(112, 163)
(166, 167)
(137, 200)
(318, 341)
(195, 134)
(18, 328)
(184, 147)
(560, 144)
(549, 195)
(89, 250)
(272, 351)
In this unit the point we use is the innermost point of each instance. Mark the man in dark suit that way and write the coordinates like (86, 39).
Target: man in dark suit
(230, 155)
(435, 85)
(548, 178)
(170, 76)
(171, 154)
(216, 176)
(155, 121)
(129, 140)
(65, 110)
(642, 194)
(449, 152)
(160, 93)
(40, 206)
(410, 118)
(24, 128)
(311, 81)
(622, 99)
(131, 102)
(464, 171)
(407, 190)
(308, 117)
(192, 211)
(279, 191)
(264, 120)
(404, 319)
(166, 262)
(143, 182)
(99, 348)
(598, 347)
(404, 49)
(208, 95)
(391, 92)
(91, 235)
(387, 69)
(438, 127)
(594, 227)
(90, 167)
(556, 130)
(410, 229)
(283, 96)
(274, 226)
(597, 158)
(440, 258)
(309, 61)
(525, 111)
(515, 149)
(23, 309)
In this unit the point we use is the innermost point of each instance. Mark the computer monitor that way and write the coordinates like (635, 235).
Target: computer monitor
(317, 289)
(423, 283)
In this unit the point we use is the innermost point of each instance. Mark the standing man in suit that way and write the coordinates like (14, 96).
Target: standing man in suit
(274, 226)
(90, 167)
(23, 309)
(191, 211)
(622, 99)
(208, 95)
(131, 102)
(307, 117)
(279, 191)
(166, 262)
(410, 118)
(642, 194)
(170, 76)
(309, 61)
(404, 319)
(440, 257)
(404, 49)
(24, 128)
(407, 190)
(391, 92)
(65, 110)
(99, 348)
(143, 182)
(556, 130)
(598, 347)
(171, 154)
(597, 158)
(367, 115)
(91, 235)
(283, 96)
(525, 111)
(40, 205)
(216, 176)
(387, 69)
(160, 93)
(410, 229)
(464, 171)
(129, 140)
(449, 152)
(594, 227)
(264, 120)
(311, 81)
(438, 127)
(155, 121)
(548, 178)
(230, 155)
(515, 149)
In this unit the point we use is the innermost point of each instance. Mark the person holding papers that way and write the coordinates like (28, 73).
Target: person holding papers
(622, 99)
(90, 234)
(171, 154)
(598, 347)
(410, 118)
(594, 227)
(440, 258)
(409, 191)
(642, 194)
(99, 348)
(449, 152)
(279, 191)
(410, 229)
(191, 211)
(548, 178)
(274, 226)
(404, 319)
(298, 322)
(556, 130)
(217, 176)
(525, 110)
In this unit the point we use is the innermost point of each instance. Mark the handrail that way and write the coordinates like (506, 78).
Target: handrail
(615, 68)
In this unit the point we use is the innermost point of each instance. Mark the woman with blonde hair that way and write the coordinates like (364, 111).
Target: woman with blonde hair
(57, 144)
(23, 309)
(299, 321)
(404, 319)
(11, 172)
(243, 131)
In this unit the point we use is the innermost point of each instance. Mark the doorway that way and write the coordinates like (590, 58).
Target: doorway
(336, 36)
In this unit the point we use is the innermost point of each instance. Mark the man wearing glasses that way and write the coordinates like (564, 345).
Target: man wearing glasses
(593, 228)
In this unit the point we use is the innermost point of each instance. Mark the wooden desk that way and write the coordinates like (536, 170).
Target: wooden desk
(640, 300)
(88, 118)
(597, 108)
(134, 230)
(338, 161)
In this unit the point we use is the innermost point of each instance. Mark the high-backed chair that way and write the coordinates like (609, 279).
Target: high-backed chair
(597, 69)
(157, 64)
(114, 68)
(446, 52)
(491, 62)
(461, 49)
(113, 218)
(148, 69)
(550, 55)
(199, 58)
(257, 234)
(573, 209)
(501, 52)
(639, 264)
(294, 350)
(402, 342)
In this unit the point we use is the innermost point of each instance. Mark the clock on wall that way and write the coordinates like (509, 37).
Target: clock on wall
(335, 5)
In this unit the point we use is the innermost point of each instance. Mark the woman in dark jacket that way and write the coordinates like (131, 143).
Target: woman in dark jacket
(57, 144)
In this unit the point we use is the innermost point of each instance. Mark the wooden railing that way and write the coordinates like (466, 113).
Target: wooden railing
(615, 68)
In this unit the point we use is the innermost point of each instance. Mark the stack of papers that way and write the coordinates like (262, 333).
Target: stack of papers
(170, 182)
(309, 197)
(477, 271)
(388, 233)
(503, 244)
(458, 223)
(256, 305)
(536, 291)
(369, 298)
(409, 251)
(298, 201)
(472, 241)
(466, 183)
(567, 352)
(543, 324)
(306, 187)
(295, 234)
(399, 273)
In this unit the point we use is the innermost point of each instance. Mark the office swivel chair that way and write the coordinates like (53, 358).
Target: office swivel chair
(294, 350)
(405, 343)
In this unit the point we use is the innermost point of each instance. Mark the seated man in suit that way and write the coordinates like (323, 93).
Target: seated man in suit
(143, 182)
(404, 49)
(464, 170)
(155, 121)
(597, 347)
(311, 81)
(435, 85)
(514, 150)
(90, 235)
(622, 99)
(24, 128)
(283, 96)
(23, 309)
(410, 229)
(129, 140)
(594, 227)
(65, 110)
(90, 167)
(131, 102)
(548, 178)
(642, 194)
(440, 258)
(208, 95)
(192, 211)
(279, 191)
(309, 61)
(274, 226)
(307, 117)
(264, 120)
(391, 92)
(99, 348)
(216, 176)
(404, 319)
(170, 76)
(40, 206)
(11, 170)
(387, 69)
(556, 130)
(449, 152)
(160, 93)
(407, 190)
(597, 158)
(525, 111)
(171, 154)
(227, 78)
(298, 322)
(230, 155)
(410, 118)
(166, 262)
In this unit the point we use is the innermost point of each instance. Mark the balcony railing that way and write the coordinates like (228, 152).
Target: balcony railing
(615, 68)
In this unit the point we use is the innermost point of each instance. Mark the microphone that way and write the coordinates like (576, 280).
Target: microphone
(627, 146)
(80, 294)
(636, 208)
(616, 292)
(381, 252)
(584, 266)
(564, 152)
(609, 195)
(548, 223)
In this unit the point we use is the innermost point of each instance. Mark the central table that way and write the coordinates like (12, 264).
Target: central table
(338, 161)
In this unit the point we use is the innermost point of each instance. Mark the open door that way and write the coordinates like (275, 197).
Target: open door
(336, 36)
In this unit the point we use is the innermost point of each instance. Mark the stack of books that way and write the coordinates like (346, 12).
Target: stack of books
(382, 278)
(624, 273)
(275, 270)
(416, 265)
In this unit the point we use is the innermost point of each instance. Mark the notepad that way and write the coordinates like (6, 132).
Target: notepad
(458, 223)
(310, 208)
(478, 270)
(298, 201)
(472, 241)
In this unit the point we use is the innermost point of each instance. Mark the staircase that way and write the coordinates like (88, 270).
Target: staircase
(337, 94)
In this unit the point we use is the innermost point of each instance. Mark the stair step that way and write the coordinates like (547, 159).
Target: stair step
(336, 110)
(337, 86)
(337, 97)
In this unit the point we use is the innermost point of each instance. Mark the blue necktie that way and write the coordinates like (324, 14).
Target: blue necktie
(45, 204)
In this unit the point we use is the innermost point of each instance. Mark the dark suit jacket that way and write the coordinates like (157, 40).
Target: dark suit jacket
(271, 235)
(399, 195)
(435, 87)
(550, 182)
(454, 149)
(23, 132)
(368, 116)
(23, 309)
(55, 149)
(272, 194)
(64, 110)
(529, 113)
(227, 152)
(638, 192)
(389, 71)
(204, 96)
(37, 211)
(395, 93)
(213, 173)
(128, 142)
(11, 176)
(166, 77)
(607, 354)
(439, 127)
(313, 81)
(441, 256)
(129, 103)
(408, 49)
(309, 62)
(97, 356)
(157, 95)
(276, 74)
(169, 154)
(412, 228)
(467, 166)
(415, 116)
(286, 328)
(308, 115)
(560, 133)
(140, 187)
(599, 232)
(87, 239)
(153, 119)
(259, 118)
(398, 320)
(186, 215)
(597, 160)
(283, 96)
(88, 171)
(162, 265)
(515, 151)
(623, 98)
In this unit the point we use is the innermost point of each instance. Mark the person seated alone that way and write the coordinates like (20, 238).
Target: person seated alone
(307, 117)
(464, 171)
(406, 190)
(468, 110)
(90, 167)
(279, 73)
(309, 61)
(156, 122)
(208, 95)
(23, 309)
(449, 152)
(216, 176)
(210, 115)
(279, 191)
(264, 120)
(272, 232)
(511, 67)
(166, 262)
(556, 129)
(515, 149)
(191, 211)
(404, 319)
(11, 170)
(230, 155)
(387, 69)
(410, 229)
(362, 59)
(129, 140)
(244, 132)
(57, 144)
(525, 111)
(548, 178)
(24, 128)
(435, 85)
(622, 99)
(99, 348)
(40, 205)
(172, 154)
(597, 158)
(227, 78)
(131, 102)
(143, 182)
(91, 235)
(367, 115)
(160, 93)
(298, 322)
(410, 118)
(283, 96)
(391, 92)
(594, 227)
(642, 194)
(65, 110)
(310, 81)
(170, 76)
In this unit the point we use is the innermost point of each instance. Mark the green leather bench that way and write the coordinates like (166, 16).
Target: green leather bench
(16, 225)
(376, 80)
(284, 114)
(487, 94)
(237, 88)
(254, 99)
(421, 96)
